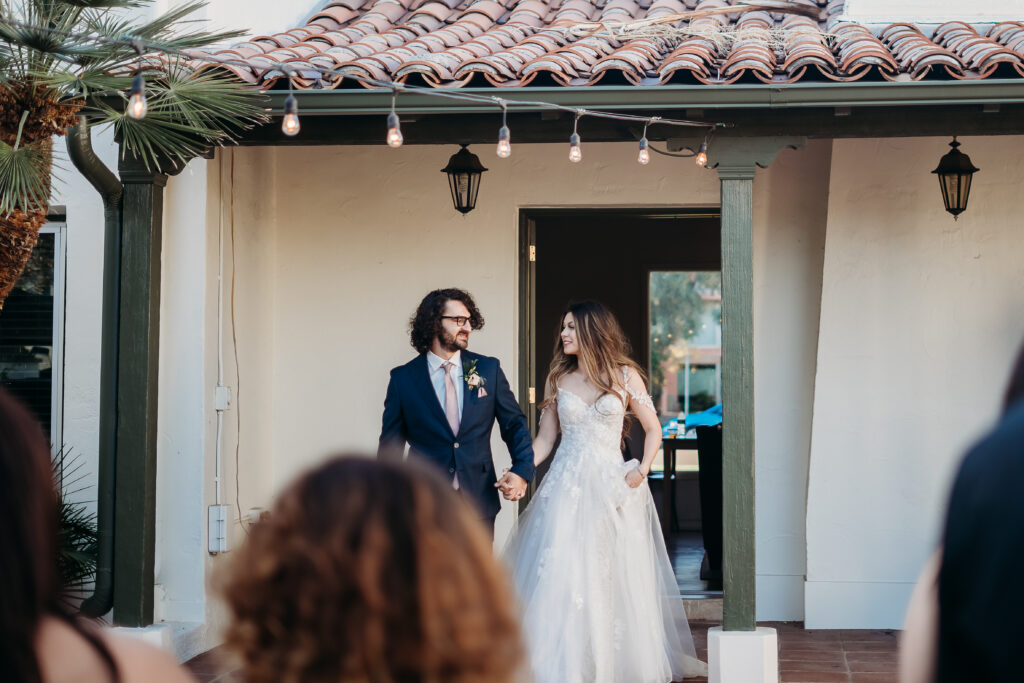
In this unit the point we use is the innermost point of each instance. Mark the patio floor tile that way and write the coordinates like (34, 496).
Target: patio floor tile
(804, 656)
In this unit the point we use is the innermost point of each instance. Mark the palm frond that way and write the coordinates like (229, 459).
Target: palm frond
(108, 4)
(165, 31)
(187, 114)
(78, 541)
(77, 53)
(24, 176)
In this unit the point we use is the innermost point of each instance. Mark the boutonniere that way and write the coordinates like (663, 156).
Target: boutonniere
(473, 379)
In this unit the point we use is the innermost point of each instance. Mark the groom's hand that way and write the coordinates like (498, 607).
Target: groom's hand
(511, 485)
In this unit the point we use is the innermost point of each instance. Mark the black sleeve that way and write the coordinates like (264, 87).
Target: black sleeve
(514, 430)
(392, 430)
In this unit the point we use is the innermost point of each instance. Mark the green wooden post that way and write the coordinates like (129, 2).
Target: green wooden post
(738, 397)
(735, 159)
(138, 364)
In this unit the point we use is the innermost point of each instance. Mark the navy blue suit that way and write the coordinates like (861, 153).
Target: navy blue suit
(413, 415)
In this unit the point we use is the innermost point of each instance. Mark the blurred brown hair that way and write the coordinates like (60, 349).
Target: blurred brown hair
(371, 571)
(28, 546)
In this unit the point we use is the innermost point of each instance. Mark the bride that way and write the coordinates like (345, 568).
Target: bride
(600, 599)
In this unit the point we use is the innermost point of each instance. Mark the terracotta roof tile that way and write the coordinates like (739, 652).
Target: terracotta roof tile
(512, 43)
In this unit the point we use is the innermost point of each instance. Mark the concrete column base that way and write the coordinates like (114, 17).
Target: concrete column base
(161, 635)
(743, 656)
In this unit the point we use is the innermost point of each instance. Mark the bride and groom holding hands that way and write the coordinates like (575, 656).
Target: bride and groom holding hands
(598, 594)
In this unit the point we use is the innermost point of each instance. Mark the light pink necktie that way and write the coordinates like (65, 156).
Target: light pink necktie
(451, 405)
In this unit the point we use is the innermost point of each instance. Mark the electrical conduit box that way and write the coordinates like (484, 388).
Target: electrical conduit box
(218, 528)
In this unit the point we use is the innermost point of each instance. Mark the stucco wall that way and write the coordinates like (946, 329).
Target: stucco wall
(790, 208)
(920, 319)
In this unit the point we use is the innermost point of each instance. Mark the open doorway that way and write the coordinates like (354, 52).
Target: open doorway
(659, 273)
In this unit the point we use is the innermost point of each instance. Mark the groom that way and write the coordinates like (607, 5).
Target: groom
(444, 403)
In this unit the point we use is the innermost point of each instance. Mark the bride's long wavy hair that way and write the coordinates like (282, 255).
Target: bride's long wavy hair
(603, 351)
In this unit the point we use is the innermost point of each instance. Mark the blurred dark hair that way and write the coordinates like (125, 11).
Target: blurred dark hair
(425, 325)
(1015, 387)
(28, 545)
(371, 571)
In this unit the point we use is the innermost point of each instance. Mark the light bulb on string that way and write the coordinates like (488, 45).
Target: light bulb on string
(137, 106)
(702, 154)
(290, 124)
(395, 138)
(575, 153)
(504, 150)
(644, 157)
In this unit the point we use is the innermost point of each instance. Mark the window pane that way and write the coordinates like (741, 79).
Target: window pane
(26, 333)
(685, 363)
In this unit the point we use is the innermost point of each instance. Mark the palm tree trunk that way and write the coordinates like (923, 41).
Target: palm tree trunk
(19, 233)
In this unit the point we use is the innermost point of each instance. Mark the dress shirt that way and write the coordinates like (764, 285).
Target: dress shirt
(437, 376)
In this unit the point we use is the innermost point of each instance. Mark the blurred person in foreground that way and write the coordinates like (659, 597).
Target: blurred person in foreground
(371, 571)
(981, 592)
(40, 641)
(963, 622)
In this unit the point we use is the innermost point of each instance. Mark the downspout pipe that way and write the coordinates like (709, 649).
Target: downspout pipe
(79, 141)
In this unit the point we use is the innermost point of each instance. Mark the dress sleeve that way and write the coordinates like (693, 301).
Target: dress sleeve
(636, 389)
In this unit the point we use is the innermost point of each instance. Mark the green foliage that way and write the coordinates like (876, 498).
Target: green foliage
(54, 64)
(676, 310)
(24, 176)
(78, 539)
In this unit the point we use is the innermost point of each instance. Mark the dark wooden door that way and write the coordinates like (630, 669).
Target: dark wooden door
(605, 255)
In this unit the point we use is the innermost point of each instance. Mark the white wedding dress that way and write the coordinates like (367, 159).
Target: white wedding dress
(599, 596)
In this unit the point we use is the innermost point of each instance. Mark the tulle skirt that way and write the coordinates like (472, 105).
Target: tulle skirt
(599, 596)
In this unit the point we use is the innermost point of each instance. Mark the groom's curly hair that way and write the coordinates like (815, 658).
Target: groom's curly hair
(371, 571)
(425, 325)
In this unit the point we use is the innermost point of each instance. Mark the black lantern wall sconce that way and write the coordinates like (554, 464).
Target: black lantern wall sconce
(955, 171)
(464, 170)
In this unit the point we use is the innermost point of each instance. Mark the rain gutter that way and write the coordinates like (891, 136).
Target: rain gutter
(644, 97)
(106, 183)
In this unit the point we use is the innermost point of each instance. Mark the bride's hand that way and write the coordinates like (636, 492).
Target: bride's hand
(634, 478)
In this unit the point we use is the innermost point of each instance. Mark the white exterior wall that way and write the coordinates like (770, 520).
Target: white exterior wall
(790, 207)
(920, 319)
(83, 306)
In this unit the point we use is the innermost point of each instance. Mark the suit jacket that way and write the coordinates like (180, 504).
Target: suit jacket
(413, 415)
(981, 593)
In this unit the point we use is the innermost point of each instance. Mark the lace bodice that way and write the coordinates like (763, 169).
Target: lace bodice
(590, 426)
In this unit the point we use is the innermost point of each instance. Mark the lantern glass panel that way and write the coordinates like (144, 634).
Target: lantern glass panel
(956, 189)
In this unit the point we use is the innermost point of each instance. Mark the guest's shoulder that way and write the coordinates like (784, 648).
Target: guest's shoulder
(998, 458)
(140, 661)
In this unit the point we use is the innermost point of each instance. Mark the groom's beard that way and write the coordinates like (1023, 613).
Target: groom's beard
(454, 342)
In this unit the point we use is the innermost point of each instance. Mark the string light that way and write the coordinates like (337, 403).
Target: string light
(504, 136)
(644, 157)
(137, 106)
(575, 153)
(290, 124)
(702, 154)
(395, 138)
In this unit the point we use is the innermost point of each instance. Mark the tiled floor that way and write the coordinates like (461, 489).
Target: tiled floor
(685, 551)
(804, 656)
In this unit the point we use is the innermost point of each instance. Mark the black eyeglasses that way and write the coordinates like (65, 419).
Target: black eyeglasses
(459, 320)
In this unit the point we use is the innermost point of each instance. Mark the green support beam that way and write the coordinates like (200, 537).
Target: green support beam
(138, 364)
(735, 161)
(653, 97)
(739, 599)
